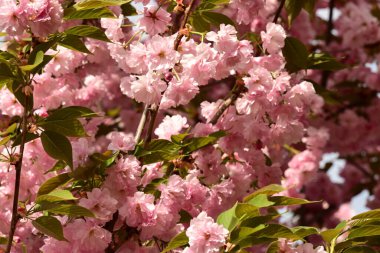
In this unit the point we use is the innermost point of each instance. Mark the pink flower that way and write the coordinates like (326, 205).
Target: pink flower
(179, 92)
(225, 39)
(9, 18)
(171, 126)
(101, 203)
(274, 38)
(302, 96)
(205, 236)
(155, 20)
(121, 141)
(160, 54)
(146, 89)
(138, 210)
(43, 16)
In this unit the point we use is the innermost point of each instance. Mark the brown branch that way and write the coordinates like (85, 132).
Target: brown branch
(278, 12)
(153, 111)
(230, 100)
(18, 166)
(183, 25)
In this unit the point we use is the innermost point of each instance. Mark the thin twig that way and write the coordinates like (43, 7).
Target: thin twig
(183, 25)
(230, 100)
(279, 10)
(18, 166)
(141, 126)
(328, 39)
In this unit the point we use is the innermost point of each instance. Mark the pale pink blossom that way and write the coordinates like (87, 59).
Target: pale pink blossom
(121, 141)
(171, 125)
(274, 38)
(155, 20)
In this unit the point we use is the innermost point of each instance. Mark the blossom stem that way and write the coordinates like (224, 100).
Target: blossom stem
(142, 122)
(153, 114)
(18, 166)
(278, 12)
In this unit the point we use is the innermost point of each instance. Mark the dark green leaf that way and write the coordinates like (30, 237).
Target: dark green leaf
(293, 8)
(216, 18)
(73, 42)
(178, 241)
(276, 231)
(296, 55)
(196, 143)
(3, 240)
(67, 127)
(71, 112)
(52, 183)
(37, 61)
(128, 10)
(57, 146)
(242, 233)
(330, 234)
(244, 211)
(185, 216)
(88, 31)
(199, 24)
(273, 247)
(260, 200)
(50, 226)
(324, 62)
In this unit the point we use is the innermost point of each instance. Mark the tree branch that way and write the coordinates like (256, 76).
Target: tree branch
(183, 25)
(230, 100)
(18, 166)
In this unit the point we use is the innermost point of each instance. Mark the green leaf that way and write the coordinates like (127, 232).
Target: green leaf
(228, 218)
(242, 233)
(179, 240)
(185, 216)
(293, 8)
(276, 231)
(71, 211)
(216, 18)
(256, 221)
(199, 24)
(93, 4)
(364, 231)
(3, 240)
(244, 211)
(296, 55)
(309, 6)
(59, 165)
(71, 112)
(52, 183)
(5, 140)
(26, 101)
(260, 200)
(303, 231)
(88, 31)
(273, 247)
(55, 196)
(5, 81)
(105, 159)
(50, 226)
(158, 150)
(268, 190)
(196, 143)
(373, 214)
(73, 42)
(288, 201)
(330, 234)
(330, 97)
(67, 127)
(178, 139)
(37, 61)
(152, 186)
(128, 10)
(359, 249)
(324, 62)
(72, 13)
(57, 146)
